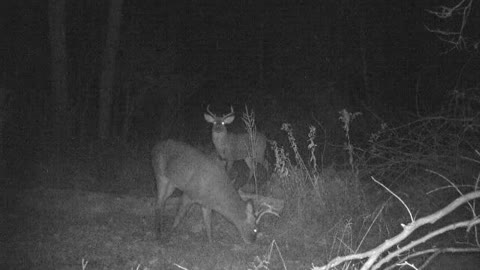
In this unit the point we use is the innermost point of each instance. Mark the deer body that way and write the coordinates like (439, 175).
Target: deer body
(231, 147)
(203, 180)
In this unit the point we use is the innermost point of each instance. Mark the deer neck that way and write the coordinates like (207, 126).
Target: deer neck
(220, 140)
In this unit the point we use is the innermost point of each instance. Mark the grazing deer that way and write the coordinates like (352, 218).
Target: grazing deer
(203, 180)
(231, 147)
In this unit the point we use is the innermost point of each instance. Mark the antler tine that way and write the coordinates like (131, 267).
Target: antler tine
(268, 210)
(209, 112)
(230, 113)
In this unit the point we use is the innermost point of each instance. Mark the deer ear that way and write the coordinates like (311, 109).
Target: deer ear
(229, 119)
(208, 118)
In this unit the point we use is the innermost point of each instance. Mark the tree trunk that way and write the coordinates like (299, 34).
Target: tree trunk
(56, 20)
(108, 69)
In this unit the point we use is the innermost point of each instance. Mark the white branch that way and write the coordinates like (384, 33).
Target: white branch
(375, 253)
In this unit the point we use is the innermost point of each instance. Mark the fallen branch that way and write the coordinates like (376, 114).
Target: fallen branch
(373, 255)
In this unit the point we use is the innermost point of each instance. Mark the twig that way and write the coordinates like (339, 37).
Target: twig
(396, 196)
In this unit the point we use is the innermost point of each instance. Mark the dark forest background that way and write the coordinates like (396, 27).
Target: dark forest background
(299, 62)
(371, 110)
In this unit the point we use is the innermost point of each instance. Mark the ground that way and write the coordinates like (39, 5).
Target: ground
(57, 229)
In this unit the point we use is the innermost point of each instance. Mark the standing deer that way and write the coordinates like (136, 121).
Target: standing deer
(203, 180)
(231, 147)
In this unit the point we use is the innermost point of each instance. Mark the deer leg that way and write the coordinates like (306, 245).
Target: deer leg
(184, 207)
(207, 214)
(164, 190)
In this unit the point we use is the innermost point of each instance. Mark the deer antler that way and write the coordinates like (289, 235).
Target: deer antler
(209, 112)
(268, 209)
(230, 113)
